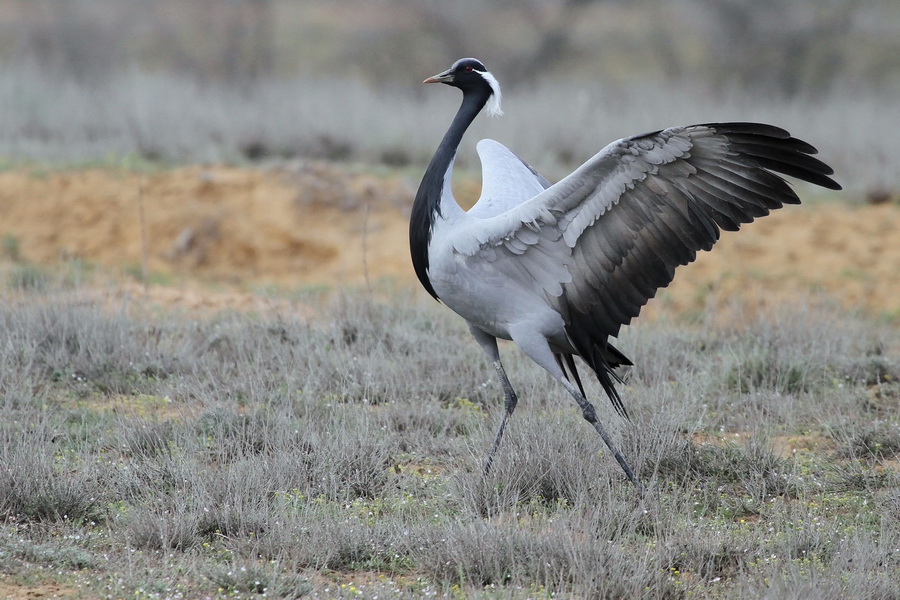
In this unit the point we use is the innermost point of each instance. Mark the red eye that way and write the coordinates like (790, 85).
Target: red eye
(468, 69)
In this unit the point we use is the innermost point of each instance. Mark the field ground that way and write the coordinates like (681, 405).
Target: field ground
(260, 408)
(309, 225)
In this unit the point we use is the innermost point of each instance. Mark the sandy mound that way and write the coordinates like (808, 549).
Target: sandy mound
(302, 225)
(315, 224)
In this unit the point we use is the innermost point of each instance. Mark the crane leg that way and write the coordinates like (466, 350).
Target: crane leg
(509, 405)
(590, 415)
(488, 343)
(538, 350)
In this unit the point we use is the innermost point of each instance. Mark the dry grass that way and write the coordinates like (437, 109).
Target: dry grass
(244, 456)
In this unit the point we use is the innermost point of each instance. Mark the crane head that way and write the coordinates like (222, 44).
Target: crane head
(470, 75)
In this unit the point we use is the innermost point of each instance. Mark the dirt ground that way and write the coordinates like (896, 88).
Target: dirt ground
(314, 225)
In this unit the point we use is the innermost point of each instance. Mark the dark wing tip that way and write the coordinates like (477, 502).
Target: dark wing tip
(775, 149)
(742, 128)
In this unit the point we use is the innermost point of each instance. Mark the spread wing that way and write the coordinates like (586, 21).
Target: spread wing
(507, 180)
(602, 241)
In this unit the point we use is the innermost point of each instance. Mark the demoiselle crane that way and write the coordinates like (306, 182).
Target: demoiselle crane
(558, 269)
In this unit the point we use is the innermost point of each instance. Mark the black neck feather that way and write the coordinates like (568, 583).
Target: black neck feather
(427, 206)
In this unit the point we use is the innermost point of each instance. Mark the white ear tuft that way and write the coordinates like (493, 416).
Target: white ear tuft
(493, 103)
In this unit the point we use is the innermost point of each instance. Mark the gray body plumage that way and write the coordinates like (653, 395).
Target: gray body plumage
(560, 268)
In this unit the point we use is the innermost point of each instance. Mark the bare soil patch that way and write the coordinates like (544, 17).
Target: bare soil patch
(12, 591)
(319, 225)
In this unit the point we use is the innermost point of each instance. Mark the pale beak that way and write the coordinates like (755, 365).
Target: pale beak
(445, 77)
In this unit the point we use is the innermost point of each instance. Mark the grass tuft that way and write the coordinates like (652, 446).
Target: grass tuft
(34, 486)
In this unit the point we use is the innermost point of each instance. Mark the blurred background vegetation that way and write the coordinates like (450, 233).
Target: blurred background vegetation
(172, 80)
